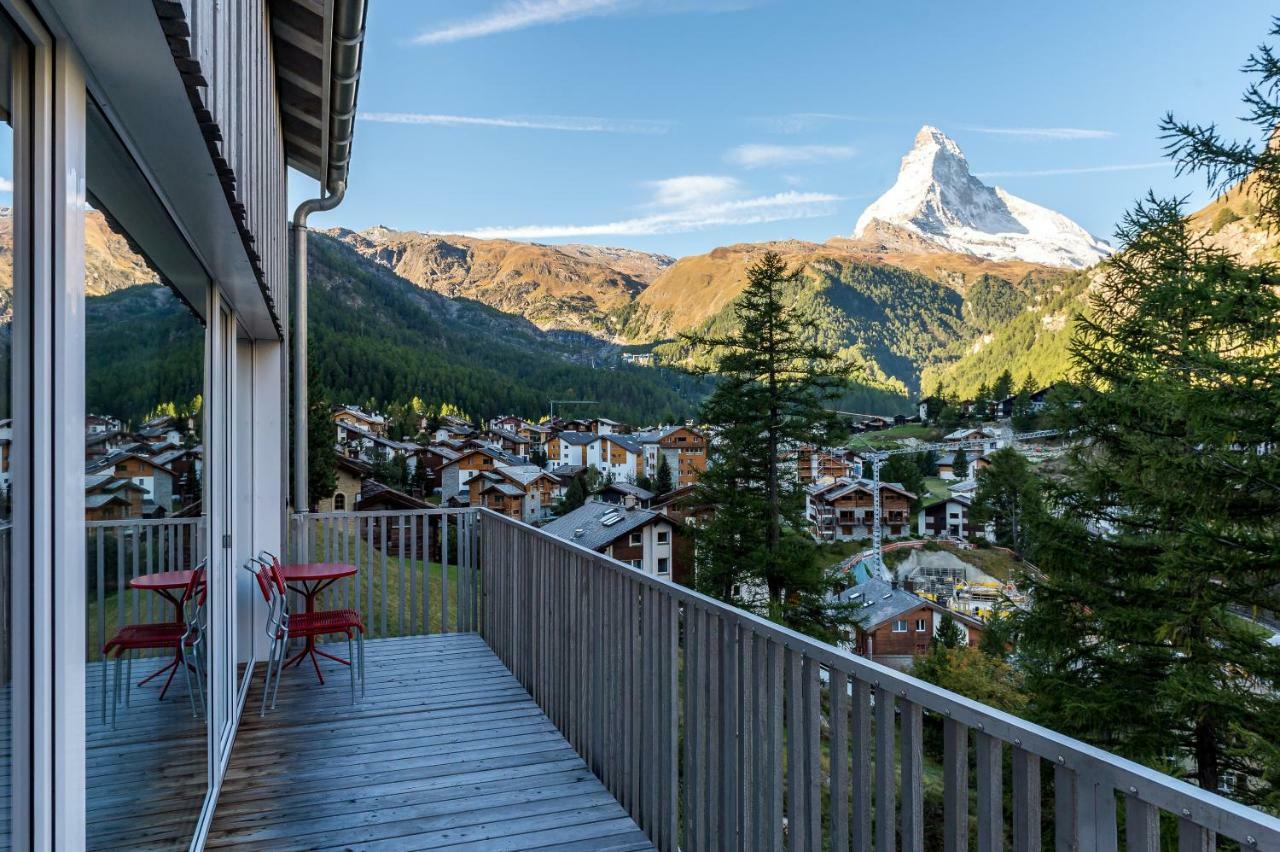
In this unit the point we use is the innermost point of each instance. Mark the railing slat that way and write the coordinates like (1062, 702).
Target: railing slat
(886, 782)
(797, 787)
(990, 780)
(912, 776)
(955, 782)
(1026, 801)
(862, 745)
(1141, 826)
(839, 745)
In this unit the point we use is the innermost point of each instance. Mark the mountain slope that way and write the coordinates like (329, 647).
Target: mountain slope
(938, 200)
(1034, 341)
(575, 287)
(888, 318)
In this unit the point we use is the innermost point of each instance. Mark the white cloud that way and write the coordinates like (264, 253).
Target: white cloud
(6, 185)
(759, 156)
(694, 190)
(517, 15)
(696, 214)
(522, 14)
(566, 123)
(1064, 133)
(1082, 170)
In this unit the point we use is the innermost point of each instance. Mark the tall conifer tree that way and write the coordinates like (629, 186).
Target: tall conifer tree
(1166, 530)
(775, 392)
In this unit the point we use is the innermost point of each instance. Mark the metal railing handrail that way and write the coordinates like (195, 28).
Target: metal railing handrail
(1205, 809)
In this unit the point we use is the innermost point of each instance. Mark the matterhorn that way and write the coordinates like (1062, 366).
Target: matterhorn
(938, 201)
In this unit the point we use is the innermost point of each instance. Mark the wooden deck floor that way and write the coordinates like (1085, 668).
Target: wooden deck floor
(146, 777)
(446, 751)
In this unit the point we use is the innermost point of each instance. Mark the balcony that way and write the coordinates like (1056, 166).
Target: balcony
(525, 693)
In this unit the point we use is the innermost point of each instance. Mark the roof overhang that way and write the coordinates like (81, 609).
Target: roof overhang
(319, 49)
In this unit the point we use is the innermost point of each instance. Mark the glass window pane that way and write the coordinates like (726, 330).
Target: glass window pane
(147, 765)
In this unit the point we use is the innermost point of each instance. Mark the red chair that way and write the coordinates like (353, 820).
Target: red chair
(283, 626)
(181, 636)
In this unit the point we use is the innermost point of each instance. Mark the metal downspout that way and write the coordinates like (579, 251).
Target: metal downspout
(301, 410)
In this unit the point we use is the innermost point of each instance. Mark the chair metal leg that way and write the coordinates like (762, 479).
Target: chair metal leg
(279, 670)
(106, 663)
(360, 649)
(351, 656)
(191, 692)
(115, 691)
(128, 676)
(266, 682)
(199, 658)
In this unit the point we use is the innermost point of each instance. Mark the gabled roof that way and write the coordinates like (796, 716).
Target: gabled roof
(629, 489)
(844, 486)
(595, 520)
(624, 441)
(508, 435)
(508, 488)
(114, 458)
(523, 474)
(879, 602)
(579, 438)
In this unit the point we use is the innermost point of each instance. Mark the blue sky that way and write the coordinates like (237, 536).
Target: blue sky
(680, 125)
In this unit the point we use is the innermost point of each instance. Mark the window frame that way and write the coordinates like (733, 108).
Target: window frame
(900, 625)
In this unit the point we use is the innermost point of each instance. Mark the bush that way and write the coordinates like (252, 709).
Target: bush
(1224, 218)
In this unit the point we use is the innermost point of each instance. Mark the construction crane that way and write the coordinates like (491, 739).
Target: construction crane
(879, 457)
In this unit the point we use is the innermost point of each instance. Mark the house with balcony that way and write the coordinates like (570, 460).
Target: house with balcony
(518, 689)
(844, 509)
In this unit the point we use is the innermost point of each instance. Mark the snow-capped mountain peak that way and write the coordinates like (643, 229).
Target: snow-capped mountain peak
(937, 198)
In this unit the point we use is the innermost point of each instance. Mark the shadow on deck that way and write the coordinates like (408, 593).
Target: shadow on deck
(446, 750)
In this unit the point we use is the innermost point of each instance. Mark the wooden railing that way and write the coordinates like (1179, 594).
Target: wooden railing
(417, 570)
(119, 551)
(717, 729)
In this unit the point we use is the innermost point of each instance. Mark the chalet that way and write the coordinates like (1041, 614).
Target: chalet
(625, 494)
(107, 498)
(573, 447)
(359, 443)
(96, 423)
(642, 538)
(510, 423)
(947, 468)
(508, 441)
(605, 426)
(893, 626)
(526, 492)
(357, 417)
(432, 459)
(156, 480)
(376, 497)
(575, 426)
(99, 444)
(455, 474)
(987, 440)
(161, 430)
(684, 447)
(844, 510)
(949, 517)
(814, 464)
(621, 457)
(453, 428)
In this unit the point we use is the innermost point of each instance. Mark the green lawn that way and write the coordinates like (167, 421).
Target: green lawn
(891, 437)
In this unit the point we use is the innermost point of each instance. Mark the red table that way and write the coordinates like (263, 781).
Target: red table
(162, 584)
(309, 580)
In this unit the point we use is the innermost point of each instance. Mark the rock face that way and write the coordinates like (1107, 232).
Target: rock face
(937, 202)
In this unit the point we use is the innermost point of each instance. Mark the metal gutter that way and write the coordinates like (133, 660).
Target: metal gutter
(344, 83)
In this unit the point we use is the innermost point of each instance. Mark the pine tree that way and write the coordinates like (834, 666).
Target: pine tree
(1024, 416)
(774, 393)
(1169, 521)
(1008, 497)
(1003, 388)
(322, 459)
(960, 464)
(662, 481)
(574, 496)
(950, 634)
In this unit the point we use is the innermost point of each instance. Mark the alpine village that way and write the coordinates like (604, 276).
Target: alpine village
(960, 529)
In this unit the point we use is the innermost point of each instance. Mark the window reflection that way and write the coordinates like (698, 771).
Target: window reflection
(143, 484)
